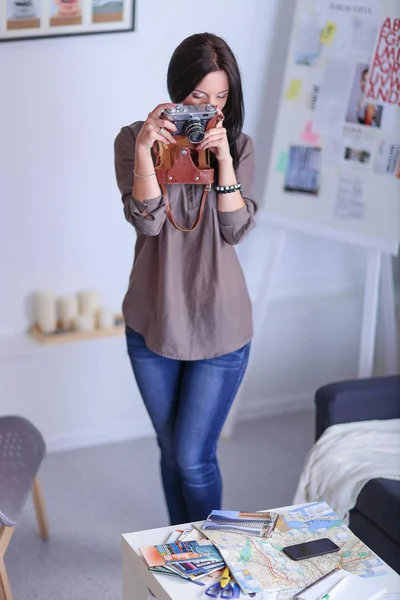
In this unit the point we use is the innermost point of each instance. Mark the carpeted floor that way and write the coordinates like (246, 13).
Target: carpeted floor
(95, 495)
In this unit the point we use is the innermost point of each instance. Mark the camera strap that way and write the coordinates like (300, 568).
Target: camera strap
(170, 216)
(175, 165)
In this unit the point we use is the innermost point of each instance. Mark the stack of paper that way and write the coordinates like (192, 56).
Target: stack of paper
(344, 586)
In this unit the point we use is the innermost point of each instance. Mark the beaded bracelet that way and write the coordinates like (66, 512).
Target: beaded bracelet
(227, 189)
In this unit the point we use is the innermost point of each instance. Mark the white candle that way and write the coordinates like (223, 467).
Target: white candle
(89, 302)
(45, 311)
(84, 322)
(67, 310)
(105, 319)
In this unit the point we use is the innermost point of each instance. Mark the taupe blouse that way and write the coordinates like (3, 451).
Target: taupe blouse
(187, 294)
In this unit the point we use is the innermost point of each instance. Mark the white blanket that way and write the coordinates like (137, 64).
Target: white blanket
(345, 458)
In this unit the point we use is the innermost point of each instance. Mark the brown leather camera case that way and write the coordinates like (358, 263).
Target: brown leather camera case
(182, 163)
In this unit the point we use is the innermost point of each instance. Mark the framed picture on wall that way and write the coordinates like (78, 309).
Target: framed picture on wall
(36, 19)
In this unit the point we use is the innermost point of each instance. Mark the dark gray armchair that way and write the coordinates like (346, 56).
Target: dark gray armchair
(22, 449)
(376, 517)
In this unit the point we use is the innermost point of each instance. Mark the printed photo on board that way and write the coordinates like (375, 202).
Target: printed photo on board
(360, 110)
(356, 155)
(303, 170)
(66, 12)
(22, 14)
(23, 9)
(107, 11)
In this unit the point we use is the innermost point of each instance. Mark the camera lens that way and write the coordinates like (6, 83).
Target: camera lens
(194, 131)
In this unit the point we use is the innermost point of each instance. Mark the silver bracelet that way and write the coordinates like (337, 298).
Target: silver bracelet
(144, 176)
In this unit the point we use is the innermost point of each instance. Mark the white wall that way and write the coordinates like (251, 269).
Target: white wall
(83, 393)
(66, 100)
(62, 227)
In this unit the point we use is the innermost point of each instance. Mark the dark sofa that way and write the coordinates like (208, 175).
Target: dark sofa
(376, 516)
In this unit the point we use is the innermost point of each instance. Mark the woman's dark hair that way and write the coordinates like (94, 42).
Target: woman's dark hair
(196, 57)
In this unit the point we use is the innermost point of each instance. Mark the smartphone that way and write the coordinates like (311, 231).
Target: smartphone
(311, 549)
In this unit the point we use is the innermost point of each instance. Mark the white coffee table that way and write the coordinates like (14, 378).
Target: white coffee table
(137, 580)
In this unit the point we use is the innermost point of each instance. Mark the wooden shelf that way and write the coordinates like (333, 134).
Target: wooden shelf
(62, 337)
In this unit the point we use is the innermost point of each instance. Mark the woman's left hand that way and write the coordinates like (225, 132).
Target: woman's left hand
(216, 140)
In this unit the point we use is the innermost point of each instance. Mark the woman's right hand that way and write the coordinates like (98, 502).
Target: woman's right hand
(156, 128)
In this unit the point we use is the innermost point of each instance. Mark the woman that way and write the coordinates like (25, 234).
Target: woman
(187, 309)
(366, 111)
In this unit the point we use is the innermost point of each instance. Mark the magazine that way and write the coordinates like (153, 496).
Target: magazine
(190, 560)
(179, 552)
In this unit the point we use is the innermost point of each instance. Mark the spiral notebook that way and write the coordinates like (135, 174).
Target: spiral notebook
(351, 587)
(255, 524)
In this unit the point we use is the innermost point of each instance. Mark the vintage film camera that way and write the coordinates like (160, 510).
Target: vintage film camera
(191, 120)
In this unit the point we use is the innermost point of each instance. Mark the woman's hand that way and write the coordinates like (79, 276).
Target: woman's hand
(216, 140)
(156, 128)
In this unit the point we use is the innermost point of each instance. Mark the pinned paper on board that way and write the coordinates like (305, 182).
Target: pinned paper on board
(362, 37)
(314, 95)
(307, 44)
(328, 33)
(294, 90)
(387, 159)
(383, 77)
(334, 94)
(282, 162)
(350, 198)
(308, 135)
(304, 170)
(333, 150)
(358, 146)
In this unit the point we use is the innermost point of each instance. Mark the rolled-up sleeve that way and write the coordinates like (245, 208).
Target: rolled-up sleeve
(235, 225)
(149, 216)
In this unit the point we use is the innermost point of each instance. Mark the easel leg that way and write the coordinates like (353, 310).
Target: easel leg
(370, 312)
(259, 316)
(390, 326)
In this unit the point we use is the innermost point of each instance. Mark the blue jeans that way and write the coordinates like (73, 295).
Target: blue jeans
(188, 402)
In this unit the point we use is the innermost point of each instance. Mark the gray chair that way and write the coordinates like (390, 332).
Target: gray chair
(22, 449)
